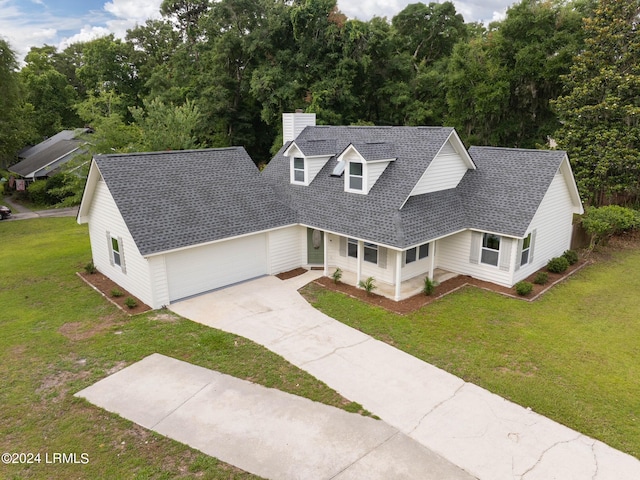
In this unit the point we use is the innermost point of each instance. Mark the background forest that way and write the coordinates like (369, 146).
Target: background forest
(214, 74)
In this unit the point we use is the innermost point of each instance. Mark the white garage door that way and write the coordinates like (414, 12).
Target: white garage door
(201, 269)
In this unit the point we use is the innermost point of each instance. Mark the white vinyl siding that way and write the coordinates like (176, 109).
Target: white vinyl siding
(444, 172)
(454, 255)
(104, 219)
(419, 266)
(284, 249)
(158, 275)
(294, 123)
(201, 269)
(383, 271)
(552, 226)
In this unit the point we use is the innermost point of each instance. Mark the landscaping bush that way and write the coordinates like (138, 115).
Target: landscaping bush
(337, 275)
(116, 293)
(90, 268)
(429, 286)
(368, 285)
(541, 278)
(604, 222)
(37, 192)
(571, 256)
(523, 288)
(130, 302)
(557, 265)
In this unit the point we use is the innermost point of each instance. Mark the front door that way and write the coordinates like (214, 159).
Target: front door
(315, 247)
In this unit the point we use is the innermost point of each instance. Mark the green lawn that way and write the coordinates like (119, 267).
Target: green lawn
(58, 336)
(573, 355)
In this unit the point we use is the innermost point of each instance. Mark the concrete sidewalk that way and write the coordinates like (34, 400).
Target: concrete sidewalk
(264, 431)
(482, 433)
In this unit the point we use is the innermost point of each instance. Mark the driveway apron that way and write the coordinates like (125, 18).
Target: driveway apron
(482, 433)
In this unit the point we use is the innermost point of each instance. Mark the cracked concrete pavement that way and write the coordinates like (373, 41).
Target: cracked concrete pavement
(482, 433)
(262, 430)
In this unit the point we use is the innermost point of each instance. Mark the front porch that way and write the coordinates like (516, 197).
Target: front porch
(408, 288)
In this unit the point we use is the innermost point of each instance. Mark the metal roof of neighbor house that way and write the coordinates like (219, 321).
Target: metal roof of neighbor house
(501, 195)
(171, 200)
(43, 157)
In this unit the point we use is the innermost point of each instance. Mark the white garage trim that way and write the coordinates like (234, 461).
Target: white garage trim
(202, 269)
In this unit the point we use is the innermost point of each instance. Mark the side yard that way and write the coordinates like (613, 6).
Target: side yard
(572, 355)
(59, 336)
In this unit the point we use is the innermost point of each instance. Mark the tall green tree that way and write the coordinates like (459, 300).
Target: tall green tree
(15, 128)
(167, 127)
(601, 108)
(108, 65)
(49, 91)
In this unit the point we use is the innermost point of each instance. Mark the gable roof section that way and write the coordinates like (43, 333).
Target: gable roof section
(377, 216)
(30, 166)
(501, 194)
(373, 151)
(172, 200)
(505, 191)
(314, 148)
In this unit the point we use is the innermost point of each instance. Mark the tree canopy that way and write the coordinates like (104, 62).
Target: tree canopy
(218, 73)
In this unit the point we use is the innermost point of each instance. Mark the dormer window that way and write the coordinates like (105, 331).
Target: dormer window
(298, 169)
(355, 176)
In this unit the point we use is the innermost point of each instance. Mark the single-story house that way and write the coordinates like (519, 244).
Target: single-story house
(46, 158)
(393, 203)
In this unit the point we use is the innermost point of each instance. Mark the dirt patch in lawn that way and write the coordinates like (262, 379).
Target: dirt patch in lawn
(106, 287)
(418, 301)
(84, 330)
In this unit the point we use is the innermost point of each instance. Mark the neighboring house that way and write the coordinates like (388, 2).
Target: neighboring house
(44, 159)
(394, 203)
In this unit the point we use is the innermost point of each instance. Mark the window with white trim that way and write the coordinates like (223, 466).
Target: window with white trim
(352, 247)
(526, 248)
(371, 252)
(356, 176)
(416, 253)
(115, 252)
(490, 249)
(298, 169)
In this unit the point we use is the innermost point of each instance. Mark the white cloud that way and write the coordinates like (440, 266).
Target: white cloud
(135, 11)
(86, 34)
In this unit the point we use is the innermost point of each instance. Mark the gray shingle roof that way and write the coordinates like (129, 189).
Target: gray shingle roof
(171, 200)
(505, 191)
(312, 148)
(501, 196)
(372, 151)
(377, 216)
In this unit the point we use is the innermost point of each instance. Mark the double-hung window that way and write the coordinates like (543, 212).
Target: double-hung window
(298, 169)
(355, 176)
(490, 249)
(371, 252)
(526, 248)
(416, 253)
(115, 251)
(352, 247)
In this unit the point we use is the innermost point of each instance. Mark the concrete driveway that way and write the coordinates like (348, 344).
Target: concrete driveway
(482, 433)
(262, 430)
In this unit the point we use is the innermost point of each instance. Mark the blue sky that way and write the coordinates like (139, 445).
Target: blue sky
(26, 23)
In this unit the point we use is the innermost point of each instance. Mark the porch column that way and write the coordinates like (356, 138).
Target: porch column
(359, 263)
(398, 278)
(325, 239)
(432, 263)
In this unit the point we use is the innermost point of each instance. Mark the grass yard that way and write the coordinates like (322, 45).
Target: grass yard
(573, 355)
(59, 336)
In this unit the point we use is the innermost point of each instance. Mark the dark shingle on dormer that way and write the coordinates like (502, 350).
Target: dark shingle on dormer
(171, 200)
(372, 151)
(312, 148)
